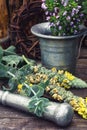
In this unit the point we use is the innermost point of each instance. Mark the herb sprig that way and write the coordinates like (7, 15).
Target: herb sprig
(37, 103)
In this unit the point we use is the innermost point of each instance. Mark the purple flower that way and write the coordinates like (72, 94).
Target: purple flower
(73, 10)
(50, 13)
(43, 6)
(79, 7)
(77, 11)
(56, 9)
(68, 17)
(60, 27)
(46, 12)
(81, 15)
(78, 20)
(75, 31)
(71, 23)
(48, 18)
(72, 13)
(52, 24)
(54, 14)
(43, 0)
(57, 16)
(65, 12)
(58, 22)
(62, 1)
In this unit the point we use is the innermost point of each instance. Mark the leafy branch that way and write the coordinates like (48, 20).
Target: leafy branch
(37, 103)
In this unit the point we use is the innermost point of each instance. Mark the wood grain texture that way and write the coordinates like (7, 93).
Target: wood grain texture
(13, 119)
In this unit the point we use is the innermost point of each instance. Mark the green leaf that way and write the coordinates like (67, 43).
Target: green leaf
(40, 91)
(26, 69)
(1, 53)
(26, 91)
(10, 50)
(12, 86)
(78, 83)
(28, 61)
(3, 70)
(44, 84)
(12, 60)
(38, 105)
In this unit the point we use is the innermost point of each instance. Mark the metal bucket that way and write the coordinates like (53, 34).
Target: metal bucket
(59, 52)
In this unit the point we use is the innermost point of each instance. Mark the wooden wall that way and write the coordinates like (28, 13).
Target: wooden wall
(3, 19)
(7, 7)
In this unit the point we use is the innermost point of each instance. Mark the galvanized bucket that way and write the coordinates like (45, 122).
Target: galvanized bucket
(59, 52)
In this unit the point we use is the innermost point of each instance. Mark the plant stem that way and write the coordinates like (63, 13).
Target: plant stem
(8, 72)
(25, 59)
(30, 89)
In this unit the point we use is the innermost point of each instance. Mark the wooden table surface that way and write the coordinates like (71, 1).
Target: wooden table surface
(13, 119)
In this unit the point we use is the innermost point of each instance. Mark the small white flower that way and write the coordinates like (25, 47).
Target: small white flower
(65, 12)
(60, 27)
(68, 17)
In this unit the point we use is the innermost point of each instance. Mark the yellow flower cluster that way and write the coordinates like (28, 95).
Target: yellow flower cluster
(54, 80)
(60, 72)
(69, 76)
(80, 106)
(63, 79)
(36, 78)
(55, 94)
(54, 69)
(19, 87)
(57, 97)
(65, 83)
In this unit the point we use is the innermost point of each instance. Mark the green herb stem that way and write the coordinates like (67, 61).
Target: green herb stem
(25, 59)
(8, 72)
(30, 89)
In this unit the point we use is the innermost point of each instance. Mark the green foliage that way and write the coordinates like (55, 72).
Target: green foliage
(84, 5)
(78, 83)
(65, 16)
(1, 53)
(9, 51)
(12, 60)
(12, 67)
(35, 90)
(3, 70)
(12, 85)
(38, 105)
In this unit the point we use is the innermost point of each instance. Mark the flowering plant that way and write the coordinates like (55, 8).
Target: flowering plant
(65, 16)
(55, 84)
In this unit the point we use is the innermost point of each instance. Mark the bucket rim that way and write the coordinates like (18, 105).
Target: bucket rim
(44, 27)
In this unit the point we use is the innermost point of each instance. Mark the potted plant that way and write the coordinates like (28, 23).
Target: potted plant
(60, 35)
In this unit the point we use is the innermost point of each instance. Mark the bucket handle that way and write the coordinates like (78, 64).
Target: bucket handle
(79, 49)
